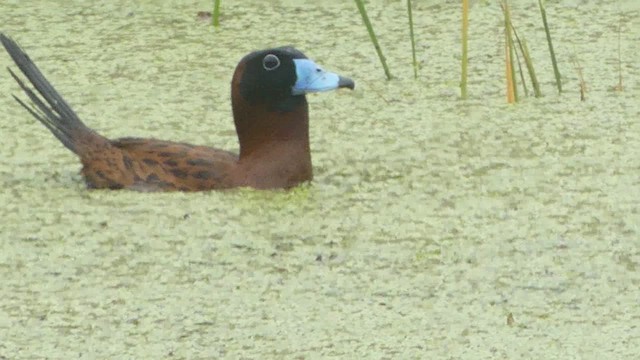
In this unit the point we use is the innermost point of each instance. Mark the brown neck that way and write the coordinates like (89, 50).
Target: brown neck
(274, 144)
(259, 128)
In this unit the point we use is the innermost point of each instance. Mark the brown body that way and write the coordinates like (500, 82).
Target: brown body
(278, 158)
(155, 165)
(273, 130)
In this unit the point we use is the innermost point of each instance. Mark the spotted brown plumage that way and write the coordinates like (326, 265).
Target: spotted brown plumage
(270, 113)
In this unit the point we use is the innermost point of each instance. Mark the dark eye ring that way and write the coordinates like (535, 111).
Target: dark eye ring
(270, 62)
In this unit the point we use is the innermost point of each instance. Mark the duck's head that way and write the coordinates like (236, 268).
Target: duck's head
(269, 104)
(279, 78)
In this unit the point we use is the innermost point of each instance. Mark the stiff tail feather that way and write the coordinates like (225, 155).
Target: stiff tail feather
(47, 105)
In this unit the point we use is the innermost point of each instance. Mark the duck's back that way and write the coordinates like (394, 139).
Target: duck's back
(156, 165)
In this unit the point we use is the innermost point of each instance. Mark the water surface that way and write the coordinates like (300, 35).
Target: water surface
(429, 221)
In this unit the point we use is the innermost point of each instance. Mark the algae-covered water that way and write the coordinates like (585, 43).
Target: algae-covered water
(435, 228)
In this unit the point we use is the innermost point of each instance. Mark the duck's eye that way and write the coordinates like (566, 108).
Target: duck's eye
(270, 62)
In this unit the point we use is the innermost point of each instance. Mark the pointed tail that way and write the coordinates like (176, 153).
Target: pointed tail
(48, 106)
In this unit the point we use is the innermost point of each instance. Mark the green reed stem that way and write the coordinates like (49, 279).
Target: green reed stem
(532, 72)
(465, 48)
(556, 72)
(520, 71)
(372, 35)
(413, 41)
(528, 61)
(215, 17)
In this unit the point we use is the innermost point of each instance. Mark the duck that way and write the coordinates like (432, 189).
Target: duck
(270, 114)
